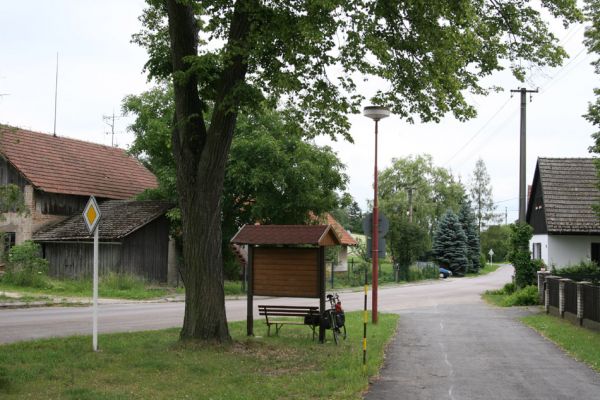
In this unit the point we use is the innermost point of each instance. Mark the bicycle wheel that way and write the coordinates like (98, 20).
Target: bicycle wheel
(335, 330)
(343, 331)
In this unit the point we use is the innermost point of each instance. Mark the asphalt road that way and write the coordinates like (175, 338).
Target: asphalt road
(464, 349)
(35, 323)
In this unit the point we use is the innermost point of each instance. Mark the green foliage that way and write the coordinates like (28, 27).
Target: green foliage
(12, 200)
(469, 225)
(583, 268)
(415, 181)
(25, 267)
(434, 190)
(429, 63)
(495, 237)
(481, 194)
(592, 41)
(273, 174)
(449, 244)
(122, 282)
(510, 296)
(520, 256)
(407, 242)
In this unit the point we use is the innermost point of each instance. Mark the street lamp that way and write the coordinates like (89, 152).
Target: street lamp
(376, 113)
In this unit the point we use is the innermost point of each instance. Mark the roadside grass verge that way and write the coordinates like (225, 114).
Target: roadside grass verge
(156, 365)
(508, 296)
(583, 344)
(23, 299)
(484, 271)
(110, 286)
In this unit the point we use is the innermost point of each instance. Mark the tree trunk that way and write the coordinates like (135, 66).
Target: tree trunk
(200, 157)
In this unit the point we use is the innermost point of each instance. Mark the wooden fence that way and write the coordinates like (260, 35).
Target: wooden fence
(578, 302)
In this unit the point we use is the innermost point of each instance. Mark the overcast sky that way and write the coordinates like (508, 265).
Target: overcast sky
(98, 66)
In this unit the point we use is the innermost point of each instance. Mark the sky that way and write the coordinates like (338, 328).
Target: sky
(98, 66)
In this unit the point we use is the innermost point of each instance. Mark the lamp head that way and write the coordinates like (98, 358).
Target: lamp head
(376, 112)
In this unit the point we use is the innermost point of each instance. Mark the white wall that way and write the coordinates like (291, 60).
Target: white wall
(543, 239)
(565, 250)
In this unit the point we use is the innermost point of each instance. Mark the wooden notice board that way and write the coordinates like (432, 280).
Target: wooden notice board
(286, 272)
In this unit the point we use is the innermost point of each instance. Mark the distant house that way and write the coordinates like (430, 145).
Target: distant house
(346, 241)
(566, 230)
(133, 236)
(57, 176)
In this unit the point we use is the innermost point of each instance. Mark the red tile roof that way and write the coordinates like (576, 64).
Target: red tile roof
(283, 234)
(69, 166)
(343, 234)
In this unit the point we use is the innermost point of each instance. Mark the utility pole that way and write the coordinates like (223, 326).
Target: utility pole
(523, 154)
(110, 121)
(410, 205)
(505, 215)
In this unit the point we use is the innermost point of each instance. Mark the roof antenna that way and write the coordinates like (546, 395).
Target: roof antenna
(55, 94)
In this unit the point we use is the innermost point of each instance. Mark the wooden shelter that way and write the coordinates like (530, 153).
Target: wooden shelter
(286, 261)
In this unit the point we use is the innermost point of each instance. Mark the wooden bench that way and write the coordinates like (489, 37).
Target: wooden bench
(309, 314)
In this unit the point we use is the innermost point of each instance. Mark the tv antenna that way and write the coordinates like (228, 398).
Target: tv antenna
(110, 121)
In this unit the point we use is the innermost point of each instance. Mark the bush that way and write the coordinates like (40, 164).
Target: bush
(583, 268)
(25, 267)
(528, 296)
(520, 256)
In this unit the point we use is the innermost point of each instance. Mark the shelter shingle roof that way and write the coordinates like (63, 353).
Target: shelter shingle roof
(569, 187)
(69, 166)
(119, 219)
(283, 235)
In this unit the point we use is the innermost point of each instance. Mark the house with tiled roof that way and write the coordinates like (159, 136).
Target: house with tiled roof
(57, 175)
(133, 239)
(566, 229)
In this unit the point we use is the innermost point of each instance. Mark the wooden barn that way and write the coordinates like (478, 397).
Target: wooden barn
(134, 239)
(57, 175)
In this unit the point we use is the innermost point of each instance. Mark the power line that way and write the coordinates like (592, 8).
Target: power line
(478, 131)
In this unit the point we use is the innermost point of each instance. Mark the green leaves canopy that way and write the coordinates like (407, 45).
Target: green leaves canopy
(312, 54)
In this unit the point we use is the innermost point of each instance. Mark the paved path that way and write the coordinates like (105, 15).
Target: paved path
(475, 351)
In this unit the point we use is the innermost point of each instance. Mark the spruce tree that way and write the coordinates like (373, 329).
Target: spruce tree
(450, 244)
(470, 227)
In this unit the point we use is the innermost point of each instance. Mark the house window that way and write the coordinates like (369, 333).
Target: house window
(596, 253)
(537, 251)
(9, 241)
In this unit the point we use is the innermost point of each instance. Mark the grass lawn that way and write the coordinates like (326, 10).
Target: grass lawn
(111, 287)
(485, 270)
(156, 365)
(83, 288)
(581, 343)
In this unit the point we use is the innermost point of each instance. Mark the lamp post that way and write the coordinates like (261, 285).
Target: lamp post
(376, 113)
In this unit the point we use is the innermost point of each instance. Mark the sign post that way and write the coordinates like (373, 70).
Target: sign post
(91, 216)
(491, 253)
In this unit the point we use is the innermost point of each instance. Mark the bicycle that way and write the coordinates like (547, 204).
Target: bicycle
(334, 318)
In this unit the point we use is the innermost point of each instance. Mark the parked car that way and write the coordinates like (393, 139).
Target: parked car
(444, 273)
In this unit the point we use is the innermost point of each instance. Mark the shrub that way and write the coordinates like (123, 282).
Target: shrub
(25, 267)
(527, 296)
(583, 268)
(520, 256)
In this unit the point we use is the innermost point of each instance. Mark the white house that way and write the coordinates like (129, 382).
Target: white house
(566, 229)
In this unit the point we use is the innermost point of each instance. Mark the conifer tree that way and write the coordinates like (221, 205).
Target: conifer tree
(450, 244)
(470, 227)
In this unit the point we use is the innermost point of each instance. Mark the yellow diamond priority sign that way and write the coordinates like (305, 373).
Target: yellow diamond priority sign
(91, 214)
